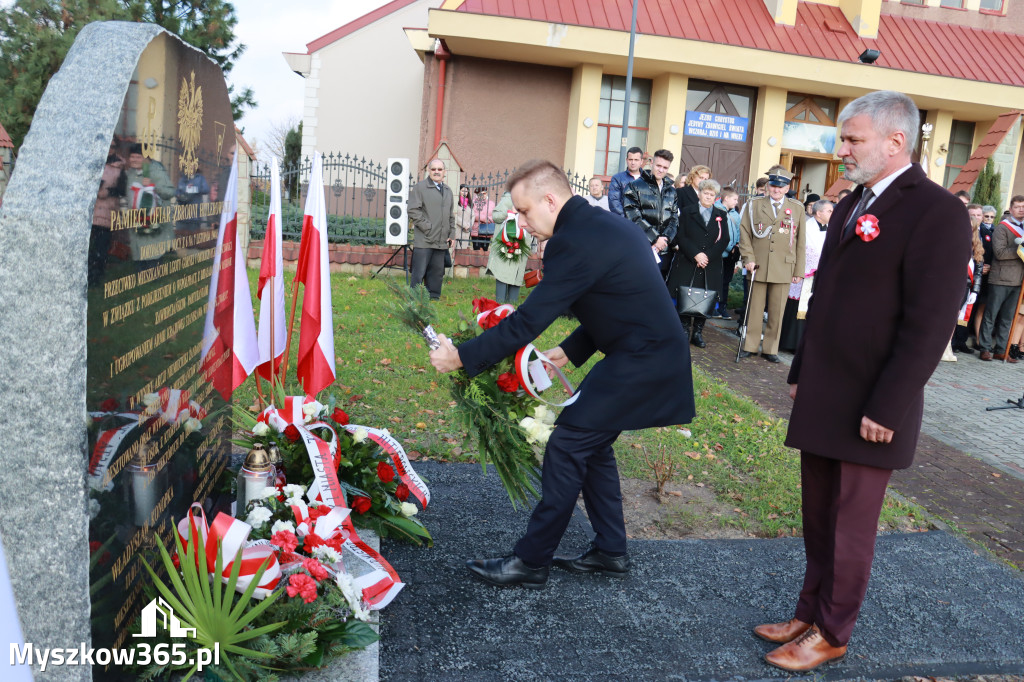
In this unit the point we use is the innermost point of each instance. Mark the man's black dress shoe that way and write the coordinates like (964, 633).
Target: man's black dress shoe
(508, 570)
(698, 338)
(770, 357)
(596, 561)
(744, 354)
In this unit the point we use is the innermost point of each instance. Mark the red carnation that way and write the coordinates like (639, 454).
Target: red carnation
(335, 542)
(287, 558)
(385, 472)
(109, 405)
(303, 586)
(312, 540)
(291, 433)
(315, 568)
(402, 492)
(285, 540)
(339, 416)
(508, 382)
(316, 512)
(361, 504)
(482, 305)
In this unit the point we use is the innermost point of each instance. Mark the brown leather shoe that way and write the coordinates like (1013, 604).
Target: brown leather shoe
(806, 652)
(985, 355)
(781, 632)
(1003, 356)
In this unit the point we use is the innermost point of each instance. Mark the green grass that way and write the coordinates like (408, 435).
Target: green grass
(385, 380)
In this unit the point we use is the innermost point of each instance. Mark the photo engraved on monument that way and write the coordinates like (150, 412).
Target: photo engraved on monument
(157, 430)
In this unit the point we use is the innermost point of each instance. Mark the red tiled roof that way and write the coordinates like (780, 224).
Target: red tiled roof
(245, 145)
(5, 139)
(965, 179)
(821, 31)
(353, 26)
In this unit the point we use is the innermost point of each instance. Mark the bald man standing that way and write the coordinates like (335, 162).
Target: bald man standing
(431, 211)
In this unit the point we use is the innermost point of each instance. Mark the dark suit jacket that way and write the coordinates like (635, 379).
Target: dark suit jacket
(695, 236)
(686, 196)
(601, 267)
(881, 315)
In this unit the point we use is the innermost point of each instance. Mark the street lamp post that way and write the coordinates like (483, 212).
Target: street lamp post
(629, 90)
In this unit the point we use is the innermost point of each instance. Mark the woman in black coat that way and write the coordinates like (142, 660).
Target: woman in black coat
(700, 244)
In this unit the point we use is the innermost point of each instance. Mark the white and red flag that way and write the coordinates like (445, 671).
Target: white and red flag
(229, 351)
(315, 367)
(273, 335)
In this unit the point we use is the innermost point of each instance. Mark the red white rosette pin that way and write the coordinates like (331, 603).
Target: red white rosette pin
(867, 227)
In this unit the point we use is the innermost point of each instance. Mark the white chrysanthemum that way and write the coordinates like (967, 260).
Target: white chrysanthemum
(544, 415)
(352, 596)
(293, 490)
(258, 516)
(150, 399)
(536, 431)
(261, 429)
(360, 435)
(282, 525)
(266, 493)
(326, 555)
(94, 508)
(409, 509)
(192, 425)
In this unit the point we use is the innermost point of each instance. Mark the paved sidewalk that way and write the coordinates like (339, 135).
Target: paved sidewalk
(685, 612)
(969, 467)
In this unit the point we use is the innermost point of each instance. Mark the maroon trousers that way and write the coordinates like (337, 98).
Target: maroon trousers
(841, 505)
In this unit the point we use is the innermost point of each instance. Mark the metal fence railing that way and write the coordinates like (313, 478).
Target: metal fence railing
(355, 196)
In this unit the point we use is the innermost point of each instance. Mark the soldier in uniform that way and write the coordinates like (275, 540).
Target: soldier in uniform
(772, 247)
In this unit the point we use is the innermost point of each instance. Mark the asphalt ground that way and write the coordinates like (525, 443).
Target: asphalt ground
(934, 606)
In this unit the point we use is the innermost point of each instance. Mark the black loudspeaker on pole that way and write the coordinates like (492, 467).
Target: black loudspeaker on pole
(396, 231)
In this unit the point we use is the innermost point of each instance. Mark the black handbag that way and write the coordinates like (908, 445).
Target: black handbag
(695, 301)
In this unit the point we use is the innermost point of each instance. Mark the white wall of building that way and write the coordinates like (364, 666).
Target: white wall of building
(364, 91)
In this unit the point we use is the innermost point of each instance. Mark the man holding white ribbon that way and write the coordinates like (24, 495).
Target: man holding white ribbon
(599, 265)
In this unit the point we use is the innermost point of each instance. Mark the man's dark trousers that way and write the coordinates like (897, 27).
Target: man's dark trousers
(428, 267)
(576, 460)
(841, 505)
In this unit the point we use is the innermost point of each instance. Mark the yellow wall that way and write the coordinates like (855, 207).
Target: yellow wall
(768, 123)
(943, 126)
(584, 103)
(668, 108)
(782, 11)
(863, 16)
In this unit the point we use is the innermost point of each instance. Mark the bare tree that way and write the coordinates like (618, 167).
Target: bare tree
(273, 140)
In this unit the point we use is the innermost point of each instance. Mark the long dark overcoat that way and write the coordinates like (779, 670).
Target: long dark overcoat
(880, 317)
(600, 266)
(695, 236)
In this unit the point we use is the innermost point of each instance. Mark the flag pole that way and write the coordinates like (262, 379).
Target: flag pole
(291, 327)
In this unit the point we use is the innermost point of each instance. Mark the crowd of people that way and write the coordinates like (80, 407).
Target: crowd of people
(702, 239)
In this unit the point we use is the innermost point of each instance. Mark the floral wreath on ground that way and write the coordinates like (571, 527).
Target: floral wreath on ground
(375, 491)
(297, 609)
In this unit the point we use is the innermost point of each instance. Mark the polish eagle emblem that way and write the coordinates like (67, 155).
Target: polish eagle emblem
(190, 124)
